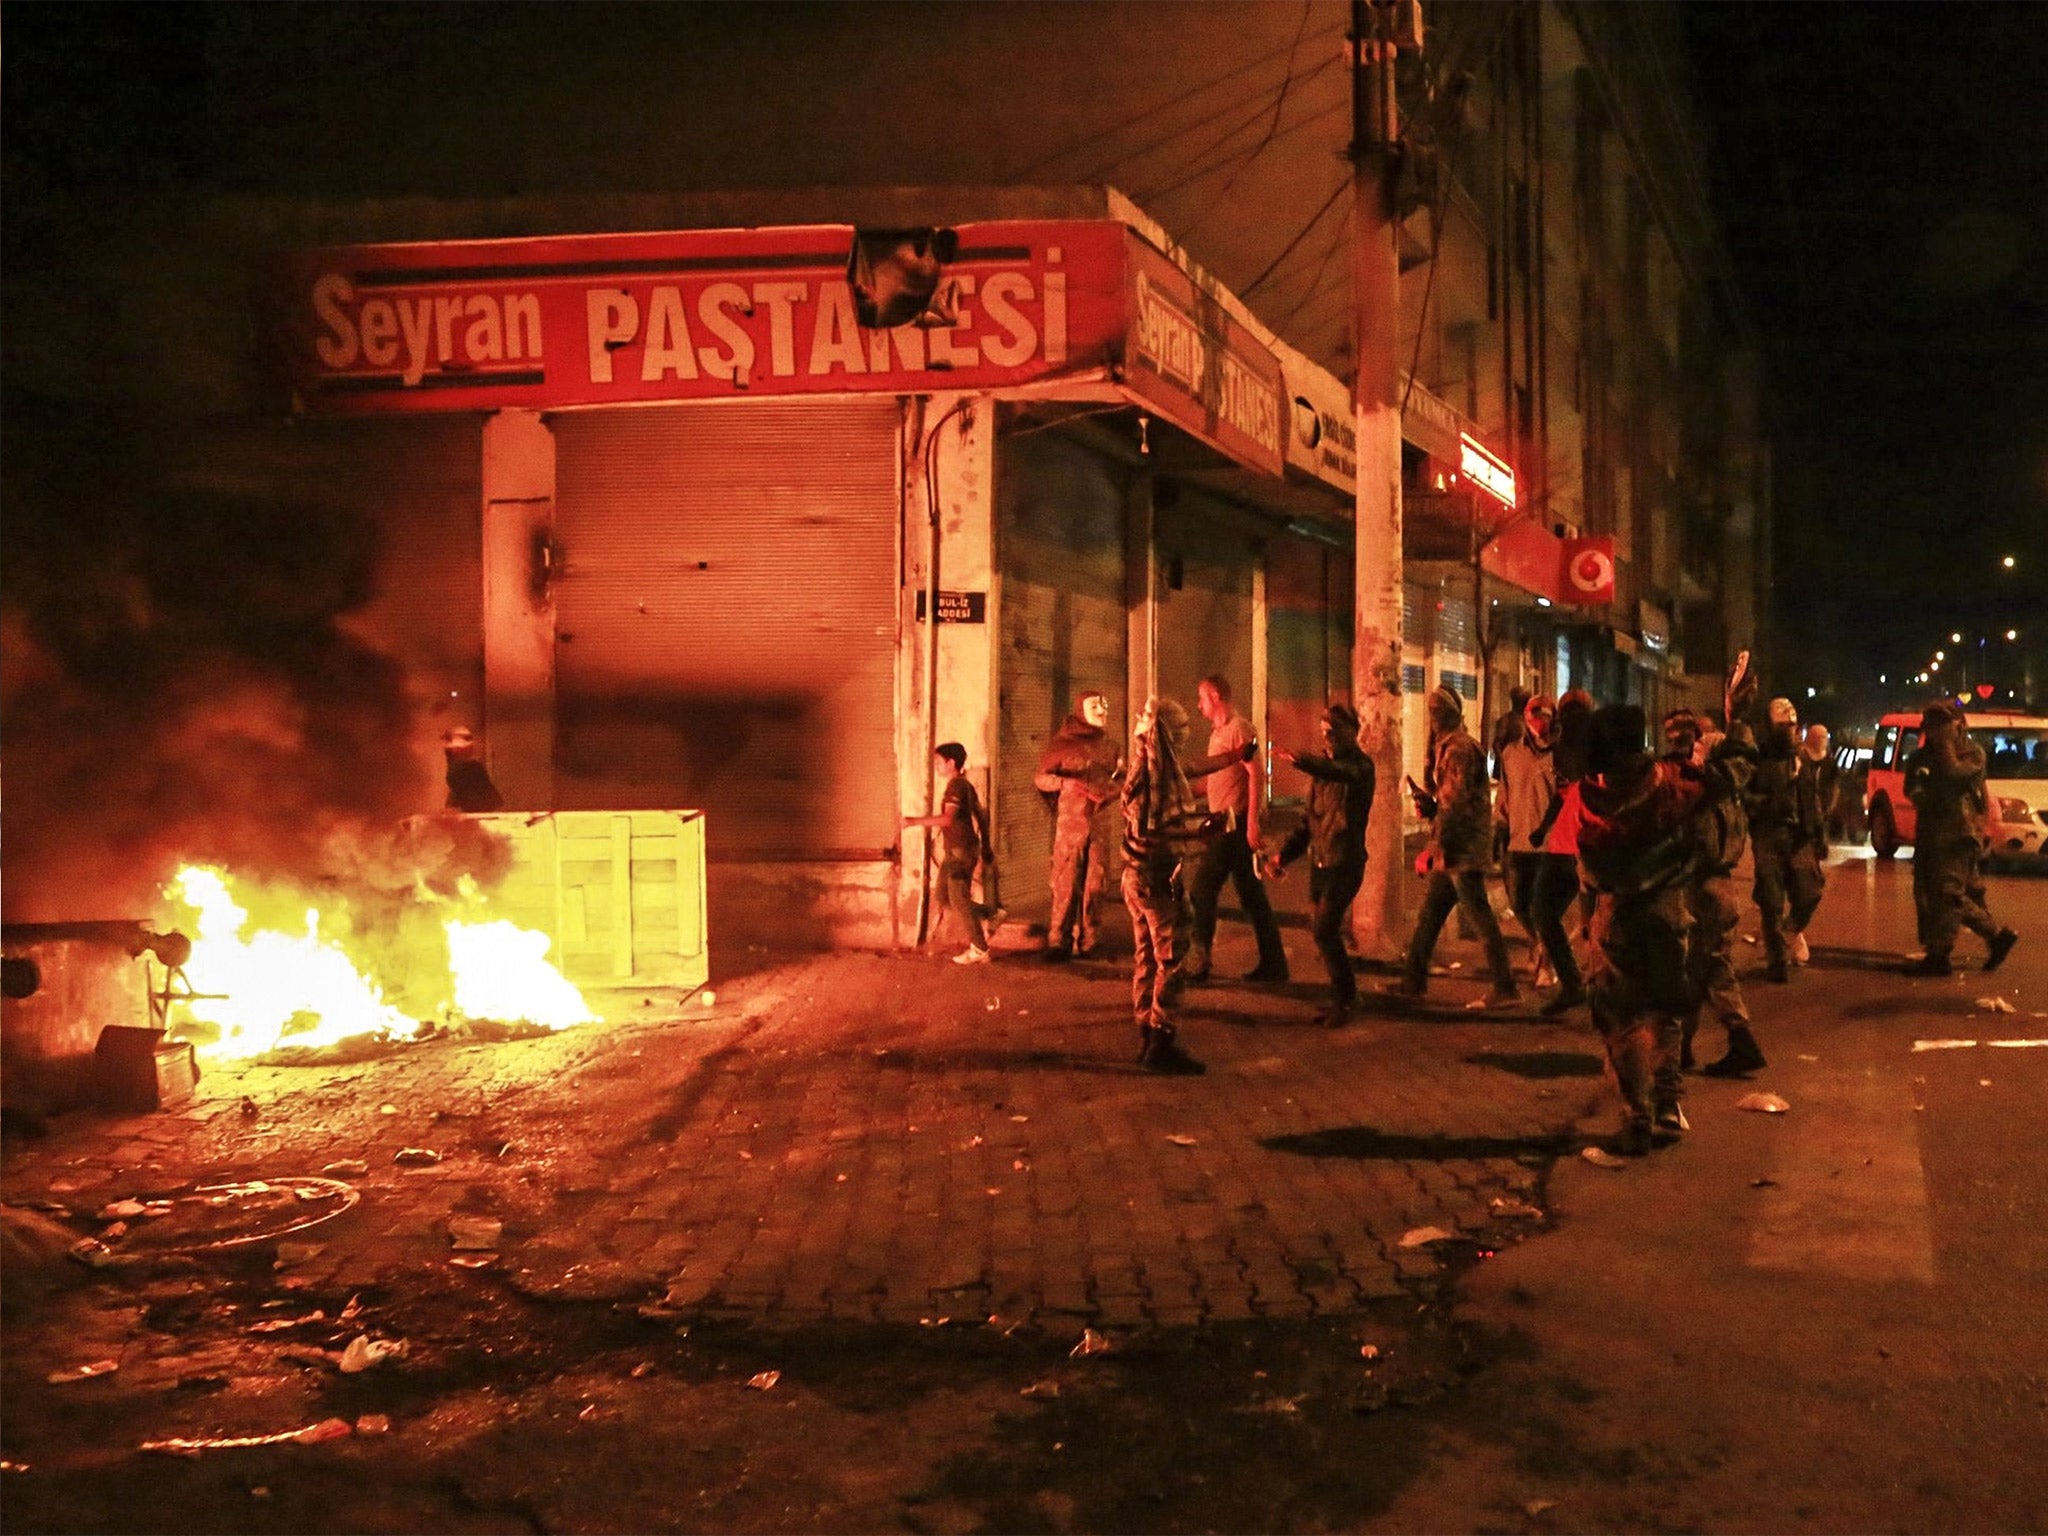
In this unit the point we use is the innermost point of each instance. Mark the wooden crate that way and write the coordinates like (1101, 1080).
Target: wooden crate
(621, 893)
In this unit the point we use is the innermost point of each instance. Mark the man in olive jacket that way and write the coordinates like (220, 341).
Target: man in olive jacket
(1945, 782)
(1333, 835)
(1079, 769)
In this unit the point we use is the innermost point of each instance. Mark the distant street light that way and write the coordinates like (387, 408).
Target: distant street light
(1952, 640)
(2012, 634)
(2006, 562)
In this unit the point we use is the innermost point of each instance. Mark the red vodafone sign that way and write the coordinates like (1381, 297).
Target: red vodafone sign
(1589, 570)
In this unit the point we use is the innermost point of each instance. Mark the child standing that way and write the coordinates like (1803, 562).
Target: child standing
(963, 830)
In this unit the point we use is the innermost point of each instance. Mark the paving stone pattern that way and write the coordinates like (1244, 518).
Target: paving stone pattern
(897, 1139)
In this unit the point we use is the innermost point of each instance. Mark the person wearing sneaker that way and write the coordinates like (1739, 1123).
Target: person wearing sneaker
(1078, 770)
(1333, 836)
(1724, 769)
(1455, 800)
(1235, 786)
(963, 833)
(1788, 839)
(1945, 782)
(1542, 882)
(1159, 814)
(1637, 847)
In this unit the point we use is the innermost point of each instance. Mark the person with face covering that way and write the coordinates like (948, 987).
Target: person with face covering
(1159, 817)
(1945, 782)
(1079, 768)
(1333, 836)
(1787, 838)
(1455, 799)
(1542, 882)
(1638, 845)
(1724, 764)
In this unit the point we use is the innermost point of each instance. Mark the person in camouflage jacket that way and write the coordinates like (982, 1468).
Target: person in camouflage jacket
(1945, 782)
(1456, 799)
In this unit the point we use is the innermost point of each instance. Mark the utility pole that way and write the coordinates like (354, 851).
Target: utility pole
(1378, 30)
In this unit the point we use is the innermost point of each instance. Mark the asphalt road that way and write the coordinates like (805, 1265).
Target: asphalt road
(1829, 1319)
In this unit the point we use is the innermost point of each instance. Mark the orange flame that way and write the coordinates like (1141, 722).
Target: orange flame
(261, 986)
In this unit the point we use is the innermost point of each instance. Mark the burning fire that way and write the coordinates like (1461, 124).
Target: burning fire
(294, 982)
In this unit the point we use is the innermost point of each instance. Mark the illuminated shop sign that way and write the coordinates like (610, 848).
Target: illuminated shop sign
(1484, 470)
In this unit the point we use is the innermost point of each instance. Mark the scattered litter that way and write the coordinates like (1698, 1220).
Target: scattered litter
(1477, 1005)
(373, 1424)
(352, 1311)
(292, 1254)
(249, 1109)
(2018, 1045)
(83, 1372)
(1763, 1103)
(364, 1352)
(763, 1381)
(475, 1234)
(1418, 1237)
(1600, 1157)
(1368, 1351)
(1943, 1045)
(416, 1156)
(644, 1369)
(993, 1004)
(123, 1210)
(993, 1190)
(1182, 1141)
(1749, 938)
(1042, 1391)
(1511, 1206)
(13, 1466)
(92, 1253)
(387, 1109)
(1536, 1507)
(1765, 1183)
(118, 1229)
(473, 1260)
(1994, 1005)
(1020, 1119)
(280, 1324)
(1804, 1057)
(1455, 965)
(1278, 1405)
(933, 1322)
(1091, 1343)
(1983, 1082)
(348, 1167)
(707, 998)
(311, 1434)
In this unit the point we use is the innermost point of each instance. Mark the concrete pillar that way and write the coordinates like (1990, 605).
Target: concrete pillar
(519, 608)
(1141, 596)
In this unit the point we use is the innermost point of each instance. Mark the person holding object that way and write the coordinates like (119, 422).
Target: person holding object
(1454, 799)
(1542, 882)
(1079, 769)
(1333, 835)
(1237, 791)
(1159, 816)
(1787, 840)
(963, 831)
(1945, 781)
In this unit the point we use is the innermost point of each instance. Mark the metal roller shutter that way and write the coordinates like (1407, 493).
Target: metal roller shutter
(1205, 625)
(1061, 546)
(726, 618)
(419, 482)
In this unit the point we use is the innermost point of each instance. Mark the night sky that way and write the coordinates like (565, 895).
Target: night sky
(1881, 172)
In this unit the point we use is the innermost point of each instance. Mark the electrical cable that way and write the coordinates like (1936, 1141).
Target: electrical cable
(1165, 106)
(1302, 234)
(1196, 173)
(1256, 103)
(1279, 108)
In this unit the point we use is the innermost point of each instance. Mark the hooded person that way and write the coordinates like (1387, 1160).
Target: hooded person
(1456, 801)
(1638, 844)
(1542, 881)
(1078, 770)
(1160, 817)
(1788, 841)
(1332, 834)
(1945, 782)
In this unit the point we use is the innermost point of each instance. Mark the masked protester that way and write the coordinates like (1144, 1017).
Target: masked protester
(1637, 848)
(1725, 764)
(1455, 801)
(1945, 782)
(1788, 840)
(1333, 835)
(1542, 882)
(1079, 770)
(1159, 815)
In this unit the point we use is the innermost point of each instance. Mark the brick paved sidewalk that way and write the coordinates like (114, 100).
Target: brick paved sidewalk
(898, 1139)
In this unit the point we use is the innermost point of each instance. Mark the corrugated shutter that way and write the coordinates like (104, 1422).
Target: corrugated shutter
(419, 481)
(1205, 625)
(1064, 633)
(726, 618)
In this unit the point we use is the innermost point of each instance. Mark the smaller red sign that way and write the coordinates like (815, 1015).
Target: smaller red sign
(1589, 569)
(1985, 690)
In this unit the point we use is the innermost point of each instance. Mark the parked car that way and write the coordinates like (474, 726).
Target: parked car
(2015, 770)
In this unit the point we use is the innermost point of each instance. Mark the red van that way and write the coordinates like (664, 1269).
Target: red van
(2015, 771)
